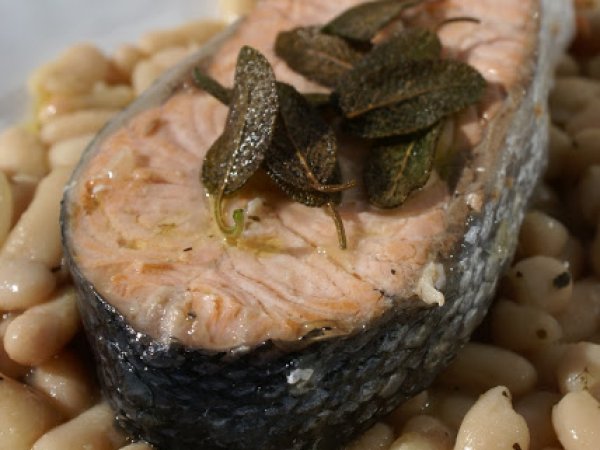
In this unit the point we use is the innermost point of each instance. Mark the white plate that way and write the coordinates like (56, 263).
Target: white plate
(35, 31)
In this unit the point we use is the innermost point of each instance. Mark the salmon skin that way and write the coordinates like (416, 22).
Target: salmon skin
(263, 388)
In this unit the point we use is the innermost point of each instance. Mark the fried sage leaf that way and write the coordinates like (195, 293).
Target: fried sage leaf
(239, 152)
(310, 198)
(211, 86)
(362, 22)
(317, 56)
(363, 92)
(397, 168)
(422, 103)
(412, 44)
(303, 152)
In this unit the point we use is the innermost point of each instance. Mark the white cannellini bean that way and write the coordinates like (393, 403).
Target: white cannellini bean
(75, 71)
(574, 255)
(43, 330)
(378, 437)
(168, 57)
(138, 446)
(438, 434)
(195, 32)
(36, 235)
(66, 380)
(102, 96)
(479, 367)
(493, 424)
(144, 74)
(8, 366)
(536, 409)
(586, 151)
(24, 284)
(545, 198)
(541, 281)
(126, 57)
(75, 124)
(576, 421)
(579, 368)
(92, 430)
(546, 361)
(587, 195)
(593, 67)
(451, 406)
(541, 235)
(522, 327)
(419, 404)
(232, 9)
(67, 152)
(26, 415)
(589, 117)
(560, 148)
(415, 441)
(23, 190)
(570, 95)
(567, 66)
(579, 319)
(22, 152)
(6, 207)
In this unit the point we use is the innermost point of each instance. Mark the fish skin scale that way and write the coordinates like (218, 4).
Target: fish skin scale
(176, 387)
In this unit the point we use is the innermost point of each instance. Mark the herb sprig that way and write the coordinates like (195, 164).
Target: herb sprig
(396, 94)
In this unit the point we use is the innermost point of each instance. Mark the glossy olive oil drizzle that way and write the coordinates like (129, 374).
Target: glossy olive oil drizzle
(395, 94)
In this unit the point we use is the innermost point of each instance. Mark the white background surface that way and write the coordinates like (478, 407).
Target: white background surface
(35, 31)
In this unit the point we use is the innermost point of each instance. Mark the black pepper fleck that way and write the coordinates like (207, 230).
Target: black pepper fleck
(393, 271)
(516, 446)
(505, 393)
(187, 249)
(191, 315)
(562, 280)
(541, 333)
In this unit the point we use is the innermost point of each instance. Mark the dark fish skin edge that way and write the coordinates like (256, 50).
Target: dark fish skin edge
(183, 399)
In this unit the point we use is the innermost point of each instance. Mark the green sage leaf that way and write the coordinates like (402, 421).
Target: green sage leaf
(460, 83)
(312, 197)
(317, 56)
(240, 150)
(211, 86)
(362, 22)
(389, 58)
(303, 152)
(398, 167)
(444, 88)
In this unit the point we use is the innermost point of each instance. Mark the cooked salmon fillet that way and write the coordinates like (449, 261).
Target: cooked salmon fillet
(196, 340)
(146, 238)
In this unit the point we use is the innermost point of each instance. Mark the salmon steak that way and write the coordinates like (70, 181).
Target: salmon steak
(282, 339)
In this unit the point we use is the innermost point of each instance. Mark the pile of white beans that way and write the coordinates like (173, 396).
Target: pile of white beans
(531, 381)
